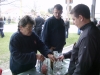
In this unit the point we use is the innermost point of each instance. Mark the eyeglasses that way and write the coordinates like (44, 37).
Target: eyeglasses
(29, 27)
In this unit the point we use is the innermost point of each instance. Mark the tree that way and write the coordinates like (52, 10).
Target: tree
(50, 10)
(0, 5)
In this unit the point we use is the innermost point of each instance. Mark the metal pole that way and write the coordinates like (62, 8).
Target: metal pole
(68, 8)
(93, 10)
(0, 8)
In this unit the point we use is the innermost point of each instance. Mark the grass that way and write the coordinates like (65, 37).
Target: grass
(73, 37)
(4, 45)
(4, 48)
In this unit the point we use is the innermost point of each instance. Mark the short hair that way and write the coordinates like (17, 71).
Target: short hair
(81, 9)
(26, 20)
(58, 7)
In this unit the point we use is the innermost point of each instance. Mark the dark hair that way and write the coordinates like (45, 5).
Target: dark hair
(26, 20)
(58, 7)
(81, 9)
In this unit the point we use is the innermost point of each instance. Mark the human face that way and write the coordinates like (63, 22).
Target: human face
(27, 30)
(77, 20)
(57, 13)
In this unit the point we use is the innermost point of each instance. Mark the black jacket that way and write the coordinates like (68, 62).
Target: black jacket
(53, 34)
(67, 25)
(1, 24)
(39, 22)
(85, 56)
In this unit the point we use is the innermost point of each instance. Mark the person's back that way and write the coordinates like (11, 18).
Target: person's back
(38, 27)
(1, 24)
(39, 21)
(67, 25)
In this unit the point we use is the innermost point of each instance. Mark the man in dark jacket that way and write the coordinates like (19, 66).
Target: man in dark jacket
(23, 47)
(85, 55)
(67, 25)
(38, 27)
(1, 27)
(53, 34)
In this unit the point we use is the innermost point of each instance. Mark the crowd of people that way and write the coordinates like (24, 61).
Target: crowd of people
(30, 38)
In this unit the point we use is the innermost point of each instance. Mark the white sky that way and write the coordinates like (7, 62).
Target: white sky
(45, 4)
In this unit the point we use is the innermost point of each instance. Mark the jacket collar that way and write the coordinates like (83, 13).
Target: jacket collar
(86, 25)
(55, 18)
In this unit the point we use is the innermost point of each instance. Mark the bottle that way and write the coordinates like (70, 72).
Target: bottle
(38, 66)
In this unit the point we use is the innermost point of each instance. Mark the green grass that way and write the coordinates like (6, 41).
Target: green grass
(4, 45)
(73, 37)
(4, 48)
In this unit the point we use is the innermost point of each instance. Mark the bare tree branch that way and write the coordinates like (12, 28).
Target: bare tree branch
(9, 2)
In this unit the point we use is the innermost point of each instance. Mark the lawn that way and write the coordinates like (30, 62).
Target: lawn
(73, 37)
(4, 50)
(4, 47)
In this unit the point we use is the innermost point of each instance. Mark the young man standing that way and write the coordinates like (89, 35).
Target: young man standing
(85, 55)
(53, 34)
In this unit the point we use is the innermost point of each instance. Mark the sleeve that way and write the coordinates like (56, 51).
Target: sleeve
(86, 55)
(46, 33)
(43, 49)
(17, 55)
(67, 55)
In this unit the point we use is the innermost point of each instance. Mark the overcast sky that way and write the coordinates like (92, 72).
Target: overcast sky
(43, 5)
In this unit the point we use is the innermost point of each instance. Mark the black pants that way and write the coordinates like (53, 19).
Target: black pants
(1, 33)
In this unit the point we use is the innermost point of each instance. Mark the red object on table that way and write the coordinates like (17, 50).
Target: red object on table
(0, 71)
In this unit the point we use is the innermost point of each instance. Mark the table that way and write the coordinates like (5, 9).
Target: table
(34, 72)
(64, 68)
(31, 72)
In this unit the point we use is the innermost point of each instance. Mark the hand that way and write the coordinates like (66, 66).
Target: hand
(40, 57)
(44, 69)
(61, 57)
(52, 48)
(52, 58)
